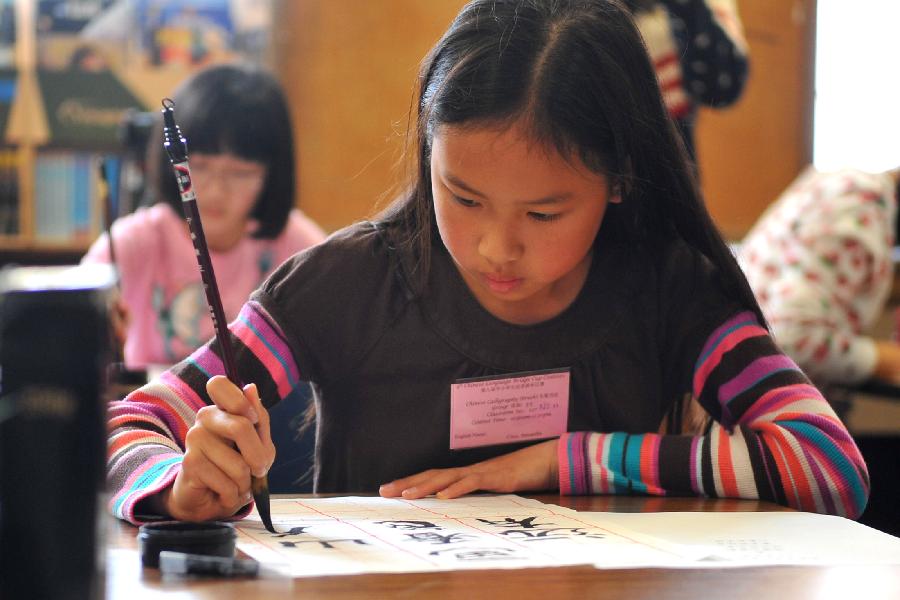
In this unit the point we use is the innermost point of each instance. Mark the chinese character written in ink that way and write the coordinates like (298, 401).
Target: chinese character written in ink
(408, 524)
(433, 537)
(475, 554)
(554, 533)
(292, 531)
(527, 523)
(329, 544)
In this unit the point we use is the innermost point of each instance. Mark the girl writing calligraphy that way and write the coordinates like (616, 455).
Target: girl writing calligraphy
(554, 223)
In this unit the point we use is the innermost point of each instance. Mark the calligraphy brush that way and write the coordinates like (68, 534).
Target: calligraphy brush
(107, 226)
(176, 148)
(108, 215)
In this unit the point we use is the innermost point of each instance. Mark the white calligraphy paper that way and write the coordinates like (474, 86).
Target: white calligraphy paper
(351, 535)
(762, 538)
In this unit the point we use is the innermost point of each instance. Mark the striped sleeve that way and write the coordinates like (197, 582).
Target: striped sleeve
(773, 437)
(146, 430)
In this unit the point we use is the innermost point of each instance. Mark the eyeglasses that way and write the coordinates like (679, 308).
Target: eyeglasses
(232, 173)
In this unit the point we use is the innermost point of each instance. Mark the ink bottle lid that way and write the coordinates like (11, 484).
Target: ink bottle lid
(211, 539)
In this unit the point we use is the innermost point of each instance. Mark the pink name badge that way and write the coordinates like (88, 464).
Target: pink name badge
(514, 408)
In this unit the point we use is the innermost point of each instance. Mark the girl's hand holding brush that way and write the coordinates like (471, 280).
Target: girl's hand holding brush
(229, 442)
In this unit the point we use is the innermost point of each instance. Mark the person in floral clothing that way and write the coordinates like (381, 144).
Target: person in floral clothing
(819, 262)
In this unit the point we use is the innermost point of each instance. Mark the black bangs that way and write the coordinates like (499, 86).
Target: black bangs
(241, 110)
(229, 120)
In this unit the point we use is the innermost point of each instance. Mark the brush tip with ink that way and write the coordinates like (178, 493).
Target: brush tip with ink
(259, 486)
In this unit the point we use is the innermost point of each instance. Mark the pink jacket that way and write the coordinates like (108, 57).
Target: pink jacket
(161, 284)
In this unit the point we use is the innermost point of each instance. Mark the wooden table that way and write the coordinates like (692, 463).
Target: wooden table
(126, 579)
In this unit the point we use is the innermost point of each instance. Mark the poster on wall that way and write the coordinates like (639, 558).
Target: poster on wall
(98, 58)
(154, 33)
(188, 33)
(196, 32)
(60, 46)
(85, 109)
(84, 98)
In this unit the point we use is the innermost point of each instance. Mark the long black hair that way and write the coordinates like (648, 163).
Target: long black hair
(576, 75)
(239, 109)
(636, 6)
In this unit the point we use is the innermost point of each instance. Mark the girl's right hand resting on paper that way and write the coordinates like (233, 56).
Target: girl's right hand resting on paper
(229, 441)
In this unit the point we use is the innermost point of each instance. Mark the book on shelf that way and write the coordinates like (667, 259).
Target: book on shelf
(67, 204)
(9, 192)
(9, 79)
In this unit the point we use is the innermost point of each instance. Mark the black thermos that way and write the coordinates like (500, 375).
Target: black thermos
(54, 348)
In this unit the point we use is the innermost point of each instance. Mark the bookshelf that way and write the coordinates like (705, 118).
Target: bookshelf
(71, 71)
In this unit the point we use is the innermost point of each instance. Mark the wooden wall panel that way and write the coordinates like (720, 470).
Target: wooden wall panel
(350, 69)
(750, 152)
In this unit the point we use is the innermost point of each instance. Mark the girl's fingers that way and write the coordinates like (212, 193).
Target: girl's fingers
(239, 431)
(245, 403)
(262, 426)
(389, 490)
(251, 393)
(221, 485)
(220, 454)
(229, 398)
(432, 485)
(396, 487)
(204, 491)
(422, 484)
(461, 487)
